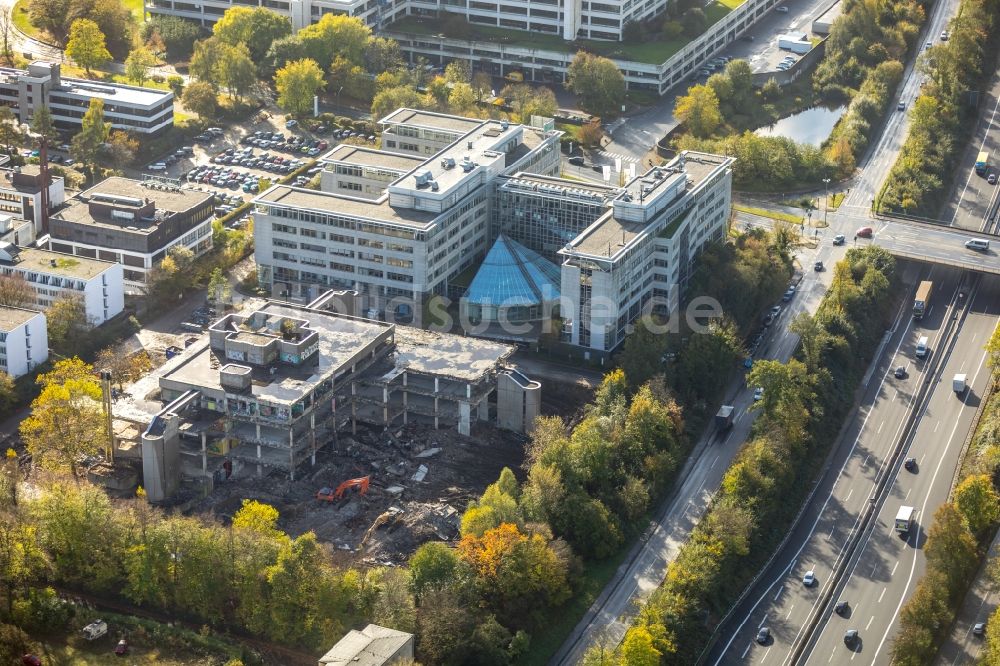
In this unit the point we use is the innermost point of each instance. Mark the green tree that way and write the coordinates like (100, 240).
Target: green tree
(236, 71)
(219, 288)
(254, 28)
(597, 82)
(138, 64)
(638, 649)
(390, 99)
(120, 149)
(88, 143)
(699, 110)
(178, 35)
(8, 393)
(382, 54)
(43, 125)
(68, 325)
(977, 500)
(208, 53)
(199, 97)
(86, 45)
(335, 35)
(10, 131)
(462, 100)
(642, 354)
(115, 21)
(297, 83)
(951, 548)
(993, 349)
(65, 422)
(433, 566)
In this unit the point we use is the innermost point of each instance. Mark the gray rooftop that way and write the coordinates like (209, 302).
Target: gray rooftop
(170, 201)
(372, 157)
(58, 263)
(456, 356)
(431, 120)
(372, 646)
(334, 203)
(11, 318)
(113, 93)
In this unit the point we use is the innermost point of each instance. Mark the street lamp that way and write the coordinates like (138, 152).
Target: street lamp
(339, 90)
(826, 186)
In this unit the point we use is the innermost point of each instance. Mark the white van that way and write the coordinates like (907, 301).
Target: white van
(977, 244)
(922, 346)
(159, 166)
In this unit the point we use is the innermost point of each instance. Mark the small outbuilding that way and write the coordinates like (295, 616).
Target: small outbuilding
(372, 646)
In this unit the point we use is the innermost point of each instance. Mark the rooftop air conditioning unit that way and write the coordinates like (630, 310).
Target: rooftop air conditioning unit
(448, 163)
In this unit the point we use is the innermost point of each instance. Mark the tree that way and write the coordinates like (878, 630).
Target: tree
(699, 110)
(297, 83)
(68, 325)
(458, 71)
(638, 649)
(120, 149)
(124, 367)
(282, 52)
(527, 101)
(951, 548)
(977, 500)
(208, 53)
(6, 34)
(10, 130)
(590, 135)
(382, 54)
(482, 85)
(236, 71)
(219, 288)
(8, 393)
(433, 566)
(115, 21)
(255, 28)
(333, 35)
(86, 45)
(199, 97)
(50, 16)
(642, 354)
(462, 100)
(88, 143)
(66, 423)
(352, 78)
(15, 292)
(993, 349)
(178, 35)
(597, 83)
(694, 21)
(138, 63)
(43, 125)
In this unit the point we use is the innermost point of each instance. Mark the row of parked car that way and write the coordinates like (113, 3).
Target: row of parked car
(786, 63)
(709, 67)
(288, 144)
(209, 135)
(227, 178)
(245, 157)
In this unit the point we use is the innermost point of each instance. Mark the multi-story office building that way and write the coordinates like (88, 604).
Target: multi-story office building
(363, 172)
(21, 194)
(145, 111)
(300, 12)
(133, 223)
(24, 340)
(53, 275)
(427, 225)
(637, 257)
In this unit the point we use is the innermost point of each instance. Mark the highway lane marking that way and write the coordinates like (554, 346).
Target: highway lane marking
(765, 655)
(894, 569)
(895, 395)
(907, 493)
(864, 463)
(874, 569)
(790, 611)
(847, 459)
(831, 655)
(937, 425)
(744, 655)
(968, 180)
(872, 618)
(715, 461)
(923, 508)
(879, 432)
(780, 590)
(762, 621)
(849, 493)
(882, 595)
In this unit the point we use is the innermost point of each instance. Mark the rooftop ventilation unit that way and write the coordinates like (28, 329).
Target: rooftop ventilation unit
(448, 163)
(434, 186)
(423, 177)
(468, 165)
(116, 199)
(504, 125)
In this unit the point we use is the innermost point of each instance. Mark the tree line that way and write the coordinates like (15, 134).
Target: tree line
(803, 404)
(957, 542)
(942, 118)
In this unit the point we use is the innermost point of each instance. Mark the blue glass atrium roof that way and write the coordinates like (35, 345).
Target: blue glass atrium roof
(511, 274)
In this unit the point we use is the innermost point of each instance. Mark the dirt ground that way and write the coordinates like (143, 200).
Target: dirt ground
(421, 480)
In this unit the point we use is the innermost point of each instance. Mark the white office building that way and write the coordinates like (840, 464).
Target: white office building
(53, 276)
(21, 194)
(391, 225)
(133, 223)
(144, 111)
(24, 340)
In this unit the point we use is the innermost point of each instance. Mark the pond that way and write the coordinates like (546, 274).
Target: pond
(811, 126)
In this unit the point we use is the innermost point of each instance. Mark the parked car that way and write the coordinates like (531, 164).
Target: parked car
(991, 179)
(95, 630)
(782, 9)
(979, 628)
(122, 648)
(290, 123)
(577, 160)
(839, 239)
(864, 232)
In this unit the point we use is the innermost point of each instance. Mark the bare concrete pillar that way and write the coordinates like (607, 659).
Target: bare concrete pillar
(260, 467)
(464, 418)
(204, 452)
(385, 406)
(406, 400)
(437, 387)
(354, 409)
(312, 438)
(257, 425)
(484, 409)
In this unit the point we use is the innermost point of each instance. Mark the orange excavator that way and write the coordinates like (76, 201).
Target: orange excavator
(330, 495)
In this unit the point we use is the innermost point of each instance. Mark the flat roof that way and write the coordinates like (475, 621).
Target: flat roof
(447, 355)
(331, 202)
(11, 318)
(171, 201)
(113, 92)
(27, 169)
(364, 156)
(595, 193)
(431, 120)
(608, 235)
(59, 263)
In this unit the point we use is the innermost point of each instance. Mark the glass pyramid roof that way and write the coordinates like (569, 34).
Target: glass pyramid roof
(513, 275)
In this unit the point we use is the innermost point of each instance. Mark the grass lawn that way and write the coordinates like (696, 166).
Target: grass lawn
(653, 52)
(20, 15)
(595, 576)
(773, 214)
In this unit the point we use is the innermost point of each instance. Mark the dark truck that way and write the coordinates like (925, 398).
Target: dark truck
(724, 417)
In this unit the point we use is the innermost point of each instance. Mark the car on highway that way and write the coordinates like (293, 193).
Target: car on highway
(758, 394)
(900, 372)
(789, 294)
(809, 579)
(977, 244)
(841, 608)
(818, 266)
(850, 637)
(910, 464)
(979, 628)
(927, 45)
(944, 36)
(864, 232)
(763, 635)
(839, 239)
(782, 9)
(991, 179)
(901, 106)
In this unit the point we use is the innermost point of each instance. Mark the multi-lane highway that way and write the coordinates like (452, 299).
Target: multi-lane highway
(883, 569)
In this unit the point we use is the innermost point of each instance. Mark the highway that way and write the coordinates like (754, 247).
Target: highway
(887, 568)
(780, 601)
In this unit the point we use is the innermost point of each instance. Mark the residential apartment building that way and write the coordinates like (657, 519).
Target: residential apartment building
(53, 275)
(144, 111)
(21, 194)
(24, 340)
(425, 227)
(637, 257)
(133, 223)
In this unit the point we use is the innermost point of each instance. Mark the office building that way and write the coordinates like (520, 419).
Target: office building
(21, 195)
(133, 223)
(403, 243)
(53, 276)
(300, 13)
(144, 111)
(24, 340)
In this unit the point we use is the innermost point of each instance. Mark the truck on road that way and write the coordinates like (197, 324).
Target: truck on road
(904, 519)
(959, 383)
(983, 163)
(724, 417)
(922, 299)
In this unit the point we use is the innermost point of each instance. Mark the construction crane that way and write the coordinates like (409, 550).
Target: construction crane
(330, 495)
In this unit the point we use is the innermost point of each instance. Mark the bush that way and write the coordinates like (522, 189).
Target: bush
(176, 84)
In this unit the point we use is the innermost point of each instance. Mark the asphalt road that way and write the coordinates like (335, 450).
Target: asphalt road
(780, 601)
(974, 201)
(887, 567)
(963, 647)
